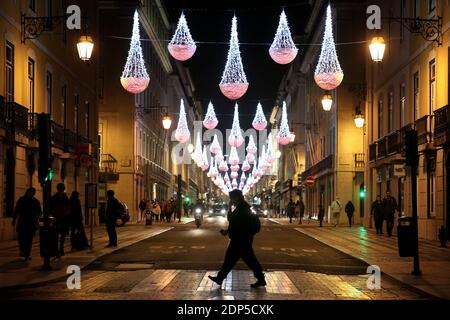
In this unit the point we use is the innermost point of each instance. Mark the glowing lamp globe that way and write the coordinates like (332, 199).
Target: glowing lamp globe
(167, 122)
(284, 140)
(182, 52)
(377, 48)
(283, 55)
(327, 102)
(233, 91)
(134, 85)
(85, 46)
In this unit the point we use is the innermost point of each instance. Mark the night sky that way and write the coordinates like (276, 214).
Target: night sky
(257, 23)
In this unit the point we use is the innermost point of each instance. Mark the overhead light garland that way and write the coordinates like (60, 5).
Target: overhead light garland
(182, 47)
(205, 164)
(234, 158)
(197, 154)
(259, 122)
(283, 49)
(251, 146)
(236, 139)
(234, 82)
(210, 121)
(134, 77)
(284, 134)
(328, 74)
(182, 133)
(215, 146)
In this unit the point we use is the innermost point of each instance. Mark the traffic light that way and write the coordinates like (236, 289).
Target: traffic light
(411, 149)
(45, 171)
(188, 199)
(362, 193)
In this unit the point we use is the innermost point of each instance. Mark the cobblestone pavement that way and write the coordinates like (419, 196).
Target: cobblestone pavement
(148, 284)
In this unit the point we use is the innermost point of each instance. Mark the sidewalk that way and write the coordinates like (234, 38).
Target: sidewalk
(365, 244)
(14, 271)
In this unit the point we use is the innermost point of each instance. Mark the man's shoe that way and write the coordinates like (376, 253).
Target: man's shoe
(216, 280)
(259, 283)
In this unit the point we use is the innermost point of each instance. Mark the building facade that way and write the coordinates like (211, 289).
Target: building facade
(409, 90)
(45, 75)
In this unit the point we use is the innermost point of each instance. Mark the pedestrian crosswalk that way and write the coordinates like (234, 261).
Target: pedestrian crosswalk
(194, 284)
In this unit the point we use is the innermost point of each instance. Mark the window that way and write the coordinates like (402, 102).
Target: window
(49, 92)
(391, 112)
(380, 118)
(9, 72)
(432, 212)
(63, 104)
(416, 95)
(402, 105)
(416, 9)
(32, 5)
(402, 15)
(31, 84)
(431, 6)
(432, 69)
(76, 100)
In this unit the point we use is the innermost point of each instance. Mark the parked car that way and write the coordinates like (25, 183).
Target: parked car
(124, 215)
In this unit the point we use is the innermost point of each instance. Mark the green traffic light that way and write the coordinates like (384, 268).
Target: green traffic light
(362, 194)
(188, 199)
(49, 176)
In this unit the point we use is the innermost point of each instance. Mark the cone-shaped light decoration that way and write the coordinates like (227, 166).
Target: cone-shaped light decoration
(234, 82)
(134, 77)
(250, 158)
(243, 177)
(270, 157)
(234, 158)
(210, 121)
(205, 164)
(284, 134)
(214, 172)
(236, 139)
(283, 49)
(259, 122)
(219, 156)
(223, 166)
(182, 47)
(235, 168)
(215, 146)
(234, 183)
(251, 147)
(226, 177)
(234, 175)
(182, 133)
(328, 74)
(245, 166)
(197, 154)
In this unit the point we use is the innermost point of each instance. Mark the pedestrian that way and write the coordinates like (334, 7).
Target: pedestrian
(301, 209)
(113, 208)
(156, 210)
(162, 205)
(290, 210)
(142, 208)
(242, 227)
(389, 208)
(78, 237)
(60, 210)
(336, 211)
(321, 214)
(177, 209)
(26, 215)
(349, 209)
(376, 210)
(169, 209)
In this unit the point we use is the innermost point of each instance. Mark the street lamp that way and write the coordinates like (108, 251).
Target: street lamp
(359, 119)
(292, 136)
(85, 46)
(377, 47)
(167, 121)
(327, 101)
(190, 148)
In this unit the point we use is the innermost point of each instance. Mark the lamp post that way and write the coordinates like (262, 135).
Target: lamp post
(327, 101)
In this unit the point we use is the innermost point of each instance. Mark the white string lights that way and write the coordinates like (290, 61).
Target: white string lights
(259, 122)
(283, 49)
(215, 146)
(134, 77)
(234, 82)
(236, 139)
(284, 134)
(328, 74)
(210, 121)
(182, 133)
(182, 47)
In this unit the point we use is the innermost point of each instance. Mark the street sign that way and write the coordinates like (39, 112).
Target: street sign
(310, 181)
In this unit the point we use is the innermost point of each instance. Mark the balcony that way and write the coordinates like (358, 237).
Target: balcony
(14, 118)
(108, 167)
(393, 142)
(70, 140)
(424, 131)
(57, 135)
(372, 151)
(442, 126)
(382, 144)
(323, 165)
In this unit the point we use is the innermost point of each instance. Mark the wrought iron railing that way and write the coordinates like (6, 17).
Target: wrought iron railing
(57, 135)
(424, 129)
(442, 123)
(393, 142)
(382, 144)
(373, 151)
